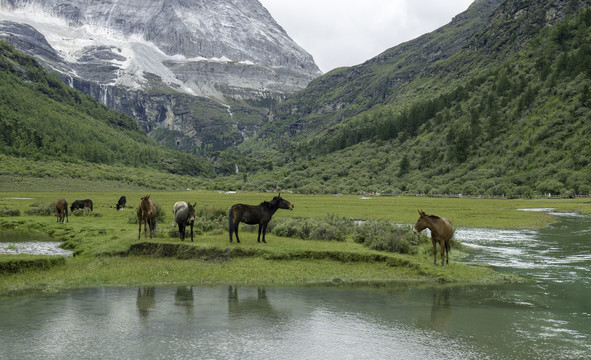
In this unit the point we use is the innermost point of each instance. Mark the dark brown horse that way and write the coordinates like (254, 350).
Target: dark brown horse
(82, 204)
(255, 214)
(441, 232)
(61, 209)
(146, 213)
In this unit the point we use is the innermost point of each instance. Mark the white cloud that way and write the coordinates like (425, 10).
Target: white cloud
(349, 32)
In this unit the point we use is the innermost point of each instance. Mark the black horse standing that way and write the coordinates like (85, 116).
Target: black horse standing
(255, 214)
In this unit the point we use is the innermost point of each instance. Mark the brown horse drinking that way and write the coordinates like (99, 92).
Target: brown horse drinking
(255, 214)
(61, 209)
(441, 232)
(146, 213)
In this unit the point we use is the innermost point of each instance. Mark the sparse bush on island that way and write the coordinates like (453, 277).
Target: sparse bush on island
(385, 236)
(331, 228)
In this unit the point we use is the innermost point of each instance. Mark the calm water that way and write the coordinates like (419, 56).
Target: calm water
(547, 320)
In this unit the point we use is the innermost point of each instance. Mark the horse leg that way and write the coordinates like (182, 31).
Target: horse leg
(442, 246)
(152, 227)
(191, 232)
(434, 251)
(139, 234)
(230, 229)
(447, 246)
(182, 232)
(236, 232)
(264, 232)
(259, 237)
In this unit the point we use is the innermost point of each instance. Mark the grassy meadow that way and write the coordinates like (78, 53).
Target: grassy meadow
(104, 241)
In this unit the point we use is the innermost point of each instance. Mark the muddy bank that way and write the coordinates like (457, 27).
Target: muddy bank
(181, 251)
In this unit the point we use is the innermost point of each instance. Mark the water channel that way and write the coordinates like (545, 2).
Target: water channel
(549, 319)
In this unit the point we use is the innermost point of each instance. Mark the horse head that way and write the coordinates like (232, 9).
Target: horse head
(421, 223)
(282, 203)
(145, 205)
(191, 218)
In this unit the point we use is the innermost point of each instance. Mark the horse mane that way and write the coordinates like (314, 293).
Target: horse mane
(269, 204)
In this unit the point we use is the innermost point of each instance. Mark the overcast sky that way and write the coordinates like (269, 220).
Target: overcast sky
(349, 32)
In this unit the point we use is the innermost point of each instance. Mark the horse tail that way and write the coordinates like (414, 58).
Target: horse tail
(231, 222)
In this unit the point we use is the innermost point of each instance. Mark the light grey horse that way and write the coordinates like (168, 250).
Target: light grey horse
(184, 215)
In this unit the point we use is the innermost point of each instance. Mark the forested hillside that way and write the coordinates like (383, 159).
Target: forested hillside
(41, 118)
(517, 124)
(496, 103)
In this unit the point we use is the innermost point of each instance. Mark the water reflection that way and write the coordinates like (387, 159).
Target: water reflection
(184, 298)
(146, 300)
(250, 306)
(441, 310)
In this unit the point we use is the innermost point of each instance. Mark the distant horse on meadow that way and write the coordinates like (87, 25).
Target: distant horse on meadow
(61, 209)
(255, 214)
(441, 232)
(146, 213)
(81, 204)
(184, 214)
(121, 203)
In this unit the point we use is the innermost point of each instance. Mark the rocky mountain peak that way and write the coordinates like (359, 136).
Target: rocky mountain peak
(211, 48)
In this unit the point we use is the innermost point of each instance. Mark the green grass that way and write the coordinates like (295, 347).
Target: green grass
(102, 243)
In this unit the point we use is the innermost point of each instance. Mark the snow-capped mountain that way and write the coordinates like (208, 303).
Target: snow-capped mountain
(212, 48)
(179, 66)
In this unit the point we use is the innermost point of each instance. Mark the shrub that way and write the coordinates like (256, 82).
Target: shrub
(10, 212)
(331, 228)
(211, 213)
(43, 209)
(384, 236)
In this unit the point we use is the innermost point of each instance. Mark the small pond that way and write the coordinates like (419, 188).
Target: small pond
(24, 242)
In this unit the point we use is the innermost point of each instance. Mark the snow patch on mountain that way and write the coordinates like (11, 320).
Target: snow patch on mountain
(196, 47)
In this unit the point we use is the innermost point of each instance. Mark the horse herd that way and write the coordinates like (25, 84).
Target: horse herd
(184, 215)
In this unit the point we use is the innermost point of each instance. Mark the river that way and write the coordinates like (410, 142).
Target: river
(549, 319)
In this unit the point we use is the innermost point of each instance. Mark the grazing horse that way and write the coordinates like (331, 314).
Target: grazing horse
(255, 214)
(146, 213)
(184, 215)
(441, 232)
(81, 204)
(61, 208)
(121, 203)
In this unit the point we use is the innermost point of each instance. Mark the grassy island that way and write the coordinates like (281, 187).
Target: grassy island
(107, 252)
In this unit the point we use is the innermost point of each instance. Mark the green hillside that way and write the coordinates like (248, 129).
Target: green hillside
(44, 120)
(507, 114)
(497, 102)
